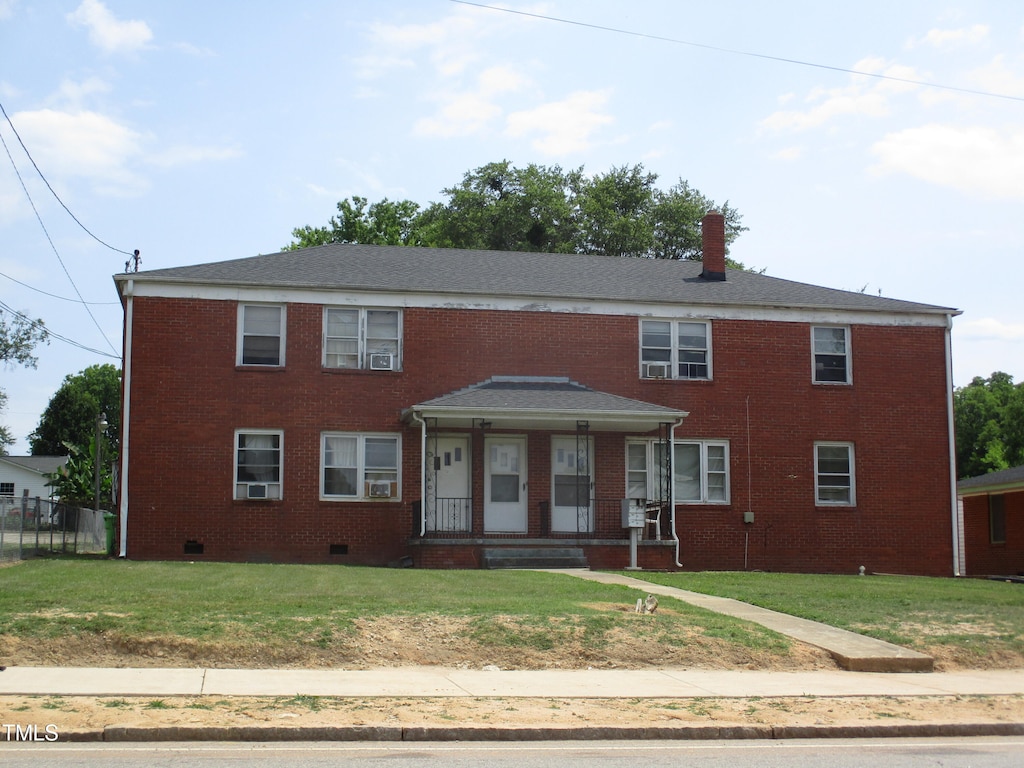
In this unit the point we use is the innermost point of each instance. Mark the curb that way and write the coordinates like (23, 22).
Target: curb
(585, 733)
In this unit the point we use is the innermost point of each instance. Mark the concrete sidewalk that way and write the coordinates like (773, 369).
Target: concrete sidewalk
(423, 682)
(851, 651)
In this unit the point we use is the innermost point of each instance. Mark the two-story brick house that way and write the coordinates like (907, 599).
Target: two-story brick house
(367, 404)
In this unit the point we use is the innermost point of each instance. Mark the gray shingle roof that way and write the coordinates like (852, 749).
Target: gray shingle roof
(535, 393)
(1004, 477)
(43, 465)
(544, 276)
(509, 402)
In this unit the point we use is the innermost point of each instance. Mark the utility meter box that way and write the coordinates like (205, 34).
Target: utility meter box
(633, 513)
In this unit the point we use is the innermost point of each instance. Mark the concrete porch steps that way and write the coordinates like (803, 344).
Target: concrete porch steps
(533, 557)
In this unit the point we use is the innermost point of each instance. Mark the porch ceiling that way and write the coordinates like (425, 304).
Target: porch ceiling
(548, 403)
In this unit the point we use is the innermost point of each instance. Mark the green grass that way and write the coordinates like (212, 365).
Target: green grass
(311, 607)
(977, 616)
(316, 607)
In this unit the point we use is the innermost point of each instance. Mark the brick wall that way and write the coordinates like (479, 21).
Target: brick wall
(188, 398)
(983, 558)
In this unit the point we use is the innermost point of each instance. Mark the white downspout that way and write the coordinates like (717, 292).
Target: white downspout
(126, 387)
(672, 485)
(955, 530)
(423, 472)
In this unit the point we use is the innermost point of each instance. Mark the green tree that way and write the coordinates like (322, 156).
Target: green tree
(538, 208)
(989, 420)
(70, 417)
(18, 338)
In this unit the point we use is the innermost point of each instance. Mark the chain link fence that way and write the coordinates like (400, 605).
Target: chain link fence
(32, 526)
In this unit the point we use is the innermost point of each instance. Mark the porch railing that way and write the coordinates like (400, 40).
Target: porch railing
(450, 515)
(602, 520)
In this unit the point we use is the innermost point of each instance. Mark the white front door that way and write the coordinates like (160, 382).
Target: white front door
(505, 485)
(572, 509)
(448, 494)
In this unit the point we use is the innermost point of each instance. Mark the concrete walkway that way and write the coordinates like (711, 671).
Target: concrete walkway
(422, 682)
(851, 651)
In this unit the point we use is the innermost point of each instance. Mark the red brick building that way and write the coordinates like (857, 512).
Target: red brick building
(374, 405)
(992, 519)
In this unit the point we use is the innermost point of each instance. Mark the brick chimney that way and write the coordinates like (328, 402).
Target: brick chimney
(712, 235)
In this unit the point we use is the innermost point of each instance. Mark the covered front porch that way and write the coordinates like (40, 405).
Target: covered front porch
(541, 463)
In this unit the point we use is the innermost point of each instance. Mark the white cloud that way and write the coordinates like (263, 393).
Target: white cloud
(468, 112)
(83, 144)
(7, 8)
(977, 160)
(460, 115)
(789, 153)
(564, 126)
(951, 38)
(990, 329)
(867, 95)
(106, 32)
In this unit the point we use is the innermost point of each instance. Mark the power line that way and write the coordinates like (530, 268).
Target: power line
(55, 296)
(49, 239)
(47, 183)
(52, 334)
(735, 52)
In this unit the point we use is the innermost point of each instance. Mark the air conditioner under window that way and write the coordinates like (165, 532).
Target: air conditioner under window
(657, 370)
(382, 361)
(379, 489)
(256, 491)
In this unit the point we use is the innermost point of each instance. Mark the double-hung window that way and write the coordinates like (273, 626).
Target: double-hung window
(359, 466)
(6, 489)
(675, 349)
(362, 338)
(834, 479)
(258, 460)
(831, 358)
(261, 334)
(700, 471)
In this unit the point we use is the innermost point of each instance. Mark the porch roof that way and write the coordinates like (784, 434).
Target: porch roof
(542, 402)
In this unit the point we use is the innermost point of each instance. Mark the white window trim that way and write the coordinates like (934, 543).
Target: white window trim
(279, 485)
(240, 340)
(360, 438)
(652, 478)
(674, 349)
(849, 358)
(853, 475)
(362, 353)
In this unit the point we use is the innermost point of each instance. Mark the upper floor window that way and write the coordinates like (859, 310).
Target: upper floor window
(261, 334)
(362, 338)
(258, 464)
(834, 482)
(700, 470)
(359, 466)
(675, 349)
(831, 346)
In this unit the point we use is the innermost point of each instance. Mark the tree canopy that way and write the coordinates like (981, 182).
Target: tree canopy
(17, 340)
(989, 418)
(70, 417)
(537, 208)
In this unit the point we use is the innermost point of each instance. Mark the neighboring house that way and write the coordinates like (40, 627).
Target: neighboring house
(992, 509)
(21, 474)
(369, 404)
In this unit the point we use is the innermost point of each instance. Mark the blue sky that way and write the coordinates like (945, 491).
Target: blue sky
(200, 132)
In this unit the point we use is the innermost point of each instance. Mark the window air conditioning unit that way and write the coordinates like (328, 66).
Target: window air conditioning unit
(657, 370)
(380, 489)
(256, 491)
(382, 361)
